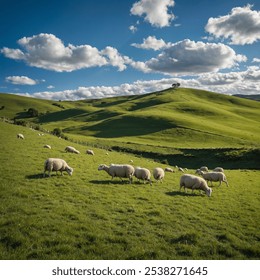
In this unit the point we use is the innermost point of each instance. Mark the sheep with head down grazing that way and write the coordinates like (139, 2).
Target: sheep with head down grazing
(119, 170)
(71, 149)
(214, 177)
(56, 164)
(158, 174)
(189, 181)
(20, 136)
(144, 174)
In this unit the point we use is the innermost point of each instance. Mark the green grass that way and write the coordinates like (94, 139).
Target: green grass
(88, 216)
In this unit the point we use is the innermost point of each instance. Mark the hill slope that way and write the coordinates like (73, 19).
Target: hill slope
(182, 118)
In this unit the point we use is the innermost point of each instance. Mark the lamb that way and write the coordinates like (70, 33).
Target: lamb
(119, 170)
(143, 174)
(47, 146)
(158, 174)
(90, 152)
(20, 136)
(214, 177)
(194, 182)
(71, 150)
(218, 169)
(56, 164)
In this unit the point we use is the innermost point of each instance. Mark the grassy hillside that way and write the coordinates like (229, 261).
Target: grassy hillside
(182, 118)
(88, 216)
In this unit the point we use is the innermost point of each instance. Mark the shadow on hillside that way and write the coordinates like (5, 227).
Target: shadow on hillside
(61, 115)
(129, 126)
(182, 193)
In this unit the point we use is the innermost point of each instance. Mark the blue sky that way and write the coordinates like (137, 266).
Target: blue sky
(80, 49)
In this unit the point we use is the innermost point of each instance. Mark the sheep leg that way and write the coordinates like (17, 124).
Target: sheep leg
(219, 183)
(226, 183)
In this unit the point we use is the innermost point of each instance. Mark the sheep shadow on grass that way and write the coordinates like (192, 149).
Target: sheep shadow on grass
(35, 176)
(109, 182)
(182, 193)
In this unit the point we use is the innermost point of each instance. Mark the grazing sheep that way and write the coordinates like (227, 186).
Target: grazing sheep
(143, 174)
(20, 136)
(181, 169)
(203, 168)
(168, 169)
(158, 174)
(70, 149)
(90, 152)
(47, 146)
(214, 177)
(194, 182)
(119, 170)
(218, 169)
(56, 164)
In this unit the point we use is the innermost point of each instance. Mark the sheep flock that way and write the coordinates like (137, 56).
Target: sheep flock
(197, 181)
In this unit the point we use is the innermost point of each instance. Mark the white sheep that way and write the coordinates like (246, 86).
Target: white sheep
(71, 149)
(214, 177)
(56, 164)
(20, 136)
(168, 169)
(218, 169)
(47, 146)
(90, 152)
(143, 174)
(158, 174)
(119, 170)
(194, 182)
(181, 169)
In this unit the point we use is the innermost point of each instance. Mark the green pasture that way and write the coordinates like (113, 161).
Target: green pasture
(88, 216)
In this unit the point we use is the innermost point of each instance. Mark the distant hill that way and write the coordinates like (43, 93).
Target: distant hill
(174, 118)
(251, 96)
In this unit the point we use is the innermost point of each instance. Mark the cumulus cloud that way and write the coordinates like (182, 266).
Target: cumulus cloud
(256, 60)
(151, 43)
(21, 80)
(242, 26)
(115, 58)
(49, 52)
(227, 83)
(155, 11)
(188, 57)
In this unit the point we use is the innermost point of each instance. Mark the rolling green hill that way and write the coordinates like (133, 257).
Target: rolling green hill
(162, 124)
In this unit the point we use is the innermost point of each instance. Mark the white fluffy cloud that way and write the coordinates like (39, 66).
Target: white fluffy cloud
(155, 11)
(21, 80)
(188, 57)
(151, 43)
(227, 83)
(242, 26)
(49, 52)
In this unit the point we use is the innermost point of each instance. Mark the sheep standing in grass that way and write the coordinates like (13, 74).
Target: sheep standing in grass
(56, 164)
(90, 152)
(143, 174)
(119, 170)
(70, 149)
(214, 177)
(47, 146)
(194, 182)
(218, 169)
(158, 174)
(20, 136)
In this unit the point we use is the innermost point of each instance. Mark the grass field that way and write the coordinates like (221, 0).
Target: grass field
(88, 216)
